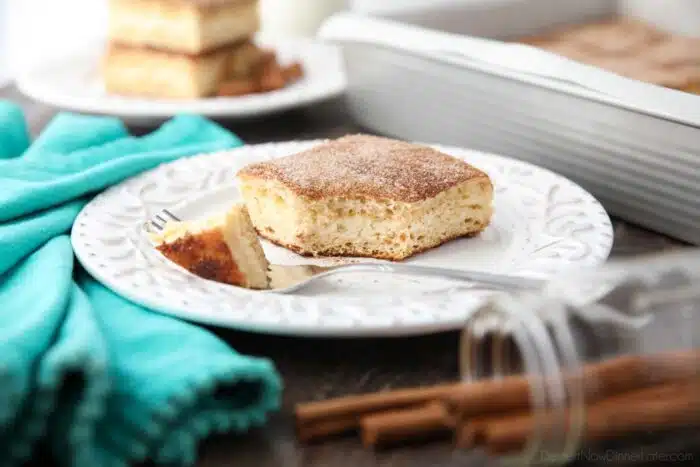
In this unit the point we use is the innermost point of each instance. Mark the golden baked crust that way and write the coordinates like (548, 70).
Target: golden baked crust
(205, 255)
(363, 166)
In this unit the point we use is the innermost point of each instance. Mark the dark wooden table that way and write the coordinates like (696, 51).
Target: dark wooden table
(320, 368)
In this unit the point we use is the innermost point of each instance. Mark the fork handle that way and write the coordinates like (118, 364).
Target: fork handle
(484, 278)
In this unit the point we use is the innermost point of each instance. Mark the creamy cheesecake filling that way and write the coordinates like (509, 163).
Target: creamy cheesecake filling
(243, 243)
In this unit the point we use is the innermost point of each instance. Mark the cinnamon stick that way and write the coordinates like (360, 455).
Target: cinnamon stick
(470, 433)
(667, 406)
(466, 436)
(510, 394)
(598, 381)
(369, 403)
(322, 429)
(432, 419)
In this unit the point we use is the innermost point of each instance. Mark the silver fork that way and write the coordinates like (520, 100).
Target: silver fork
(159, 221)
(288, 279)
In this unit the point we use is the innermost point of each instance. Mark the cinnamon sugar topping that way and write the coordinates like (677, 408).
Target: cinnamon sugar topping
(367, 166)
(630, 48)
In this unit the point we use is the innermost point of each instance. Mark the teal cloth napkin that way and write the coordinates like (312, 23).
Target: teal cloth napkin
(93, 377)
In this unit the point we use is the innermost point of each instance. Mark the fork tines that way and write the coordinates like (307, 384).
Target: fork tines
(162, 218)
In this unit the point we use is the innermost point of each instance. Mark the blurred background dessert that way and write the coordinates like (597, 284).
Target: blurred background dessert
(77, 25)
(182, 26)
(631, 48)
(189, 49)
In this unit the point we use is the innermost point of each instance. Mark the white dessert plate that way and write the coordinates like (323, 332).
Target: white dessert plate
(74, 83)
(542, 224)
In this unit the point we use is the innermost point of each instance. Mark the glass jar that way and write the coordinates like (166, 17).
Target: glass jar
(281, 19)
(605, 354)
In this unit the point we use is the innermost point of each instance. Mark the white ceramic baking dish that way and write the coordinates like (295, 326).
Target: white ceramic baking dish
(634, 145)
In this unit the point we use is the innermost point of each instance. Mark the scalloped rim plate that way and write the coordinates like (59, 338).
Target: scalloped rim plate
(542, 224)
(74, 83)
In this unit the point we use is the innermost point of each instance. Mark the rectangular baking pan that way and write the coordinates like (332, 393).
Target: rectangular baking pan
(636, 146)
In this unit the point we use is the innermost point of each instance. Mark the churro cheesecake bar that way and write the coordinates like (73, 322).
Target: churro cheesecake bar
(144, 72)
(366, 196)
(182, 26)
(224, 248)
(158, 73)
(179, 49)
(189, 49)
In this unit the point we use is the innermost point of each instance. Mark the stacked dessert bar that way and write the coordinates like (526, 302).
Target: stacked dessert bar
(184, 49)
